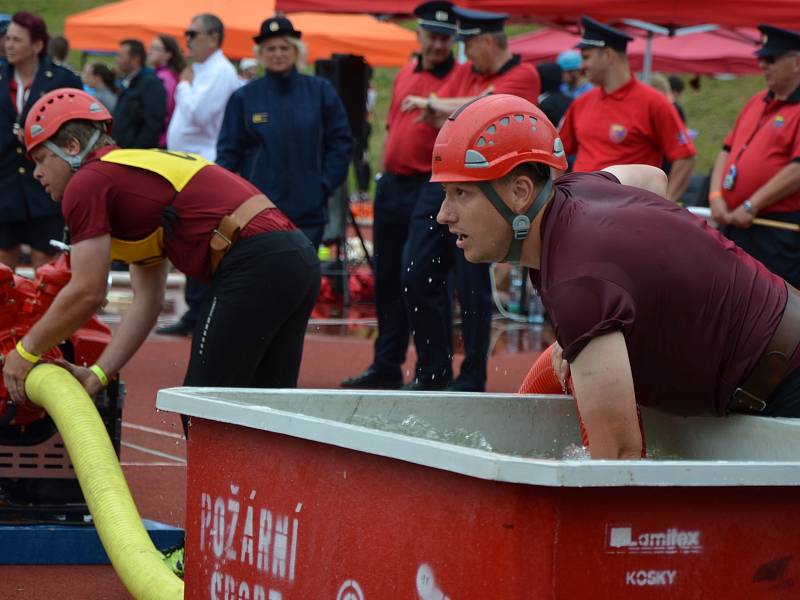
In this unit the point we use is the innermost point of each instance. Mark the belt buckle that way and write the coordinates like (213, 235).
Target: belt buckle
(743, 399)
(222, 235)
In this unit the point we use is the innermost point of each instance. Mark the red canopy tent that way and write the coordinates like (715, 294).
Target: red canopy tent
(730, 13)
(102, 28)
(705, 53)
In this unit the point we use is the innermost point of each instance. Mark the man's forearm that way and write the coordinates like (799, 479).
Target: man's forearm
(137, 322)
(446, 106)
(130, 335)
(71, 308)
(679, 177)
(715, 183)
(784, 183)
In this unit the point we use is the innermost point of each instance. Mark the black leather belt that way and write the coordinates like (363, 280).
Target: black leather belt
(773, 365)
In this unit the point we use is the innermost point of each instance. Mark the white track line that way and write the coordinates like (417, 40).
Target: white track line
(177, 436)
(151, 464)
(177, 459)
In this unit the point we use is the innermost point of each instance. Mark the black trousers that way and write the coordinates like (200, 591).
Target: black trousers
(429, 256)
(785, 400)
(253, 321)
(778, 249)
(395, 199)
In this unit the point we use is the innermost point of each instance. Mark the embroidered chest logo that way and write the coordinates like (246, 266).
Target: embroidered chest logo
(260, 118)
(617, 133)
(778, 122)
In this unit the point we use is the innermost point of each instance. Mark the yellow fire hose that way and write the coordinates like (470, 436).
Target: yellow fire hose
(136, 561)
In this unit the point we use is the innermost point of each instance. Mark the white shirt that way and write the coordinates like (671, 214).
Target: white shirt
(200, 106)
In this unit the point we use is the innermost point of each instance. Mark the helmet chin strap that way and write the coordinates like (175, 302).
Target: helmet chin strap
(520, 224)
(76, 161)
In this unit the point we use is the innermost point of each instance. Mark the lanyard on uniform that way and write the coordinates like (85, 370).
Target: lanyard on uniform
(22, 93)
(759, 124)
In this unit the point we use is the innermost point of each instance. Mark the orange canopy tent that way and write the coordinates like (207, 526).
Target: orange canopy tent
(102, 28)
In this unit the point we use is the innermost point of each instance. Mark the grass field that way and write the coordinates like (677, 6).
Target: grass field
(711, 110)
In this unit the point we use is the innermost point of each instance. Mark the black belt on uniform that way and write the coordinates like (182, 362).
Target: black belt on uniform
(773, 365)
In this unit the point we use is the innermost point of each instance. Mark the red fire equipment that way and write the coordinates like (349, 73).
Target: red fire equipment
(36, 477)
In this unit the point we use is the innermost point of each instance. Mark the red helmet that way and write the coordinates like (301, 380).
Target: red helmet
(486, 138)
(55, 108)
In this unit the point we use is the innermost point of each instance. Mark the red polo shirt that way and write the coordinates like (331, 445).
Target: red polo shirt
(409, 143)
(634, 124)
(514, 77)
(765, 138)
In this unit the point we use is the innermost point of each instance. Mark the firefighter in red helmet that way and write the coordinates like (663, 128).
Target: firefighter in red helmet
(650, 304)
(144, 207)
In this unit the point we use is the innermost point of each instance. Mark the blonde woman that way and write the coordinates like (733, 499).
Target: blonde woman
(287, 133)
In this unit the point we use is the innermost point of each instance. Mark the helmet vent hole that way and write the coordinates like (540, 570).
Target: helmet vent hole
(475, 160)
(505, 121)
(481, 142)
(519, 118)
(491, 130)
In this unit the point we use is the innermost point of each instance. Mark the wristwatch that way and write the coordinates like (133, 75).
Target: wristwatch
(748, 207)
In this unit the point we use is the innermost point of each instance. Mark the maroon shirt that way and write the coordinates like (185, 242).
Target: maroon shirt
(127, 203)
(696, 311)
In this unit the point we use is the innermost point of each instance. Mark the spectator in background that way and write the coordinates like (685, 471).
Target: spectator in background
(203, 91)
(757, 172)
(572, 78)
(166, 58)
(432, 252)
(248, 70)
(5, 19)
(142, 103)
(27, 214)
(58, 50)
(404, 185)
(200, 100)
(623, 121)
(676, 87)
(287, 133)
(659, 82)
(553, 101)
(99, 81)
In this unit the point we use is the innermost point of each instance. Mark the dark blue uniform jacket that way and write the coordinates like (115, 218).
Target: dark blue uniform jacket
(289, 136)
(22, 196)
(140, 111)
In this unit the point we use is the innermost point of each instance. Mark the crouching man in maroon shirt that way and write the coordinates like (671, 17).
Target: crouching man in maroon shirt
(650, 305)
(146, 206)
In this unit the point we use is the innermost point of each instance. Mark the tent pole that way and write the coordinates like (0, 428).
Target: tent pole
(647, 66)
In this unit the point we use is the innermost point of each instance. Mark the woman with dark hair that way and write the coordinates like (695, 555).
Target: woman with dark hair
(27, 214)
(164, 55)
(99, 80)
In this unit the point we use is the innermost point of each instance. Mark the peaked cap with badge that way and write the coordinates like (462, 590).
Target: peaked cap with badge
(477, 22)
(777, 41)
(276, 26)
(595, 34)
(437, 17)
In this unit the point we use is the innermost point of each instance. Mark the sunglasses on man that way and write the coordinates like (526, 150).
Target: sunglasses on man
(771, 60)
(190, 34)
